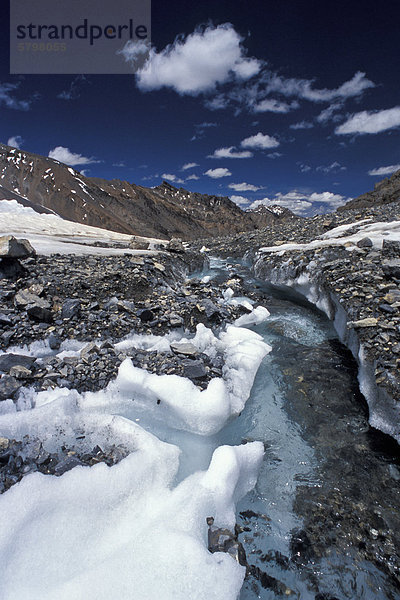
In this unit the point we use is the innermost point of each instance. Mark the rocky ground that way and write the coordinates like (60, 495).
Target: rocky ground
(95, 302)
(293, 229)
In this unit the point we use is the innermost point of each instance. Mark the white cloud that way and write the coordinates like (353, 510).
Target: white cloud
(230, 152)
(274, 106)
(243, 187)
(304, 203)
(371, 122)
(385, 170)
(260, 140)
(15, 141)
(335, 167)
(198, 63)
(327, 114)
(217, 103)
(302, 125)
(189, 165)
(303, 88)
(65, 155)
(205, 125)
(304, 168)
(239, 200)
(218, 173)
(135, 53)
(193, 176)
(74, 90)
(274, 155)
(171, 177)
(8, 99)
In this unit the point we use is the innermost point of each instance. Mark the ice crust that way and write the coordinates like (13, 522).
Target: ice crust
(130, 531)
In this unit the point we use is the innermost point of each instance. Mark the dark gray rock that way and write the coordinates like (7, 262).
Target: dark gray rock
(145, 315)
(194, 369)
(391, 268)
(212, 311)
(54, 341)
(66, 464)
(9, 386)
(365, 243)
(11, 360)
(70, 308)
(38, 313)
(4, 320)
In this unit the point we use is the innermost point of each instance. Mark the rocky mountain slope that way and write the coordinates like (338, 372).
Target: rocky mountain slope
(164, 211)
(384, 192)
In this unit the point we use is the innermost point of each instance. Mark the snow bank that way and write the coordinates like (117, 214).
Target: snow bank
(50, 234)
(99, 533)
(377, 232)
(126, 531)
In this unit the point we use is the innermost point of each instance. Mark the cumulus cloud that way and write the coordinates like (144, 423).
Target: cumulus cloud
(193, 176)
(370, 122)
(243, 187)
(172, 177)
(304, 204)
(302, 125)
(218, 173)
(7, 97)
(274, 106)
(260, 140)
(239, 200)
(274, 155)
(381, 171)
(230, 152)
(15, 141)
(198, 63)
(189, 165)
(67, 157)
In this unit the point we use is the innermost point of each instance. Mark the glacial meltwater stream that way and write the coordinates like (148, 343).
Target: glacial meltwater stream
(323, 522)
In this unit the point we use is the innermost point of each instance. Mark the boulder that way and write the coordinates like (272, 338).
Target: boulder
(70, 308)
(39, 313)
(391, 268)
(10, 247)
(365, 243)
(9, 386)
(185, 349)
(7, 361)
(138, 243)
(175, 245)
(194, 369)
(25, 298)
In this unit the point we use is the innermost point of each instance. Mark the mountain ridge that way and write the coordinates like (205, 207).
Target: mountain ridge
(163, 211)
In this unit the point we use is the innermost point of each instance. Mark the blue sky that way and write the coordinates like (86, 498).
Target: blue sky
(293, 102)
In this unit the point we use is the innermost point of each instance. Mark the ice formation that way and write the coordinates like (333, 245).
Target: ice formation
(130, 530)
